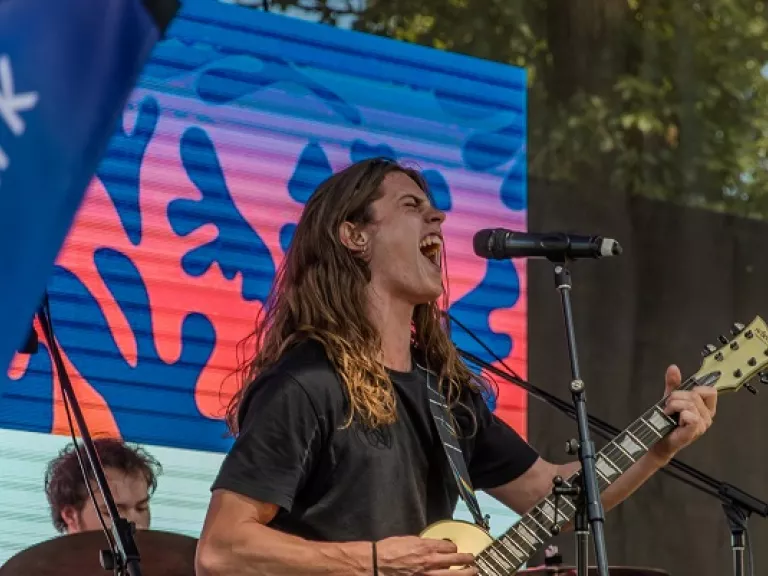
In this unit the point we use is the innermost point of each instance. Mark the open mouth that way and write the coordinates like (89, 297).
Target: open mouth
(431, 246)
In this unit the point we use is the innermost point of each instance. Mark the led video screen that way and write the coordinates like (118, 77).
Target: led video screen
(238, 116)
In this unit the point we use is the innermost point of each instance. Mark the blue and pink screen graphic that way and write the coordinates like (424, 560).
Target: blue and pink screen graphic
(236, 119)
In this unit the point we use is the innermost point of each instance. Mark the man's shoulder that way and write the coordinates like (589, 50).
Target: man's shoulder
(307, 366)
(304, 359)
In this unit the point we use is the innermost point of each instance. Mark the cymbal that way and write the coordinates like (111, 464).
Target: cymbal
(162, 554)
(571, 571)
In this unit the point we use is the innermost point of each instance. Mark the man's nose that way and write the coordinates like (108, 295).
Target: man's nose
(139, 519)
(435, 215)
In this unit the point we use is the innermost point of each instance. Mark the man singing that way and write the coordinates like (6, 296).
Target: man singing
(337, 465)
(130, 472)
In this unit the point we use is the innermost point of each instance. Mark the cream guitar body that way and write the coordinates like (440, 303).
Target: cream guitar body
(469, 538)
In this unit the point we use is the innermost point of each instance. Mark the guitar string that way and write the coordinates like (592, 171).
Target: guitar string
(536, 522)
(646, 435)
(539, 532)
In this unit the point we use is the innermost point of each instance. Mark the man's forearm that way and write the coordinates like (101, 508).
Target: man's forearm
(631, 480)
(257, 550)
(627, 483)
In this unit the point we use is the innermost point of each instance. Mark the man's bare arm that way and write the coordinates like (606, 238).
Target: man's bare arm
(696, 409)
(525, 492)
(236, 540)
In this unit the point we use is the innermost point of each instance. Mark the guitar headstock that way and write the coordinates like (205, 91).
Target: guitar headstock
(737, 361)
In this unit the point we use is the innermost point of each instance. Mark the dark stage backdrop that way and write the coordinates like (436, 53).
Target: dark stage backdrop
(685, 276)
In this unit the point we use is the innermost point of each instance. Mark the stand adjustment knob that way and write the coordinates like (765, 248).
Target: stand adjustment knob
(572, 447)
(107, 560)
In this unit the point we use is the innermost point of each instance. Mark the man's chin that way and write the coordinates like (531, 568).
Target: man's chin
(429, 296)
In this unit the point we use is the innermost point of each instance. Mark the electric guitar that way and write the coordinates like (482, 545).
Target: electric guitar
(725, 369)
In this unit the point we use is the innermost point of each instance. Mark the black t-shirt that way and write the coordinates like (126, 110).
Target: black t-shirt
(337, 483)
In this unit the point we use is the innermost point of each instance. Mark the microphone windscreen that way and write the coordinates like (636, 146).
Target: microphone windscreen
(482, 243)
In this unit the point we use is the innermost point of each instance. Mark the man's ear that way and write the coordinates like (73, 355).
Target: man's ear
(71, 518)
(353, 237)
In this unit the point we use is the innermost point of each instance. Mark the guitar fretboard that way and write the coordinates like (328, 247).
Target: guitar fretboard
(514, 548)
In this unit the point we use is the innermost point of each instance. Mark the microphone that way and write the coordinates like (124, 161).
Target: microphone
(501, 244)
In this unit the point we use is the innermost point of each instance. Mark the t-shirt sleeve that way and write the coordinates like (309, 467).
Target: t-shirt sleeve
(279, 443)
(499, 453)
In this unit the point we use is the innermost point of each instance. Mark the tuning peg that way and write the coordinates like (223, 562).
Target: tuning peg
(763, 377)
(737, 328)
(751, 388)
(709, 349)
(723, 339)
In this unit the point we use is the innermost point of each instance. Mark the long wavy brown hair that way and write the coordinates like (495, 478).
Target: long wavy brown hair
(319, 293)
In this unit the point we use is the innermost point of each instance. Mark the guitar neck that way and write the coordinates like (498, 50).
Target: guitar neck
(515, 547)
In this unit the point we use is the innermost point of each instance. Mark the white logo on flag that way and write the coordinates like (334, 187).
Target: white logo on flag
(12, 104)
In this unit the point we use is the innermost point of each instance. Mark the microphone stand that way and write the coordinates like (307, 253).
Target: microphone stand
(589, 506)
(123, 556)
(737, 504)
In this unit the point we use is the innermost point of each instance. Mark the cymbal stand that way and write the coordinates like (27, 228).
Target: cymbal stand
(123, 556)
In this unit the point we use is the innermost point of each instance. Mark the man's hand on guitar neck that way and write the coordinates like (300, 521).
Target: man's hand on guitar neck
(695, 408)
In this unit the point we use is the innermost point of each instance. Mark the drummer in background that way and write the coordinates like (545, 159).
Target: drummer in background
(130, 472)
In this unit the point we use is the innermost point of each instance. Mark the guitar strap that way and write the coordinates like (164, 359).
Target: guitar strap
(443, 421)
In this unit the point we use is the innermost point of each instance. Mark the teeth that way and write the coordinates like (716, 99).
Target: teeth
(431, 240)
(431, 247)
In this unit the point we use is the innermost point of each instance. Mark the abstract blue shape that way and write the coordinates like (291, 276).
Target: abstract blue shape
(27, 403)
(361, 150)
(312, 168)
(489, 396)
(174, 57)
(286, 236)
(438, 189)
(153, 401)
(237, 247)
(486, 150)
(513, 188)
(224, 83)
(499, 288)
(119, 170)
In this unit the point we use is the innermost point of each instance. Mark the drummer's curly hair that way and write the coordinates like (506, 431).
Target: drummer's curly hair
(64, 485)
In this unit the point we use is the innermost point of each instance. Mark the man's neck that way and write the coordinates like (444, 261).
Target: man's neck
(392, 318)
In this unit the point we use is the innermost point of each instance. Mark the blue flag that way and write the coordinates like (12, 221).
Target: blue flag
(66, 71)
